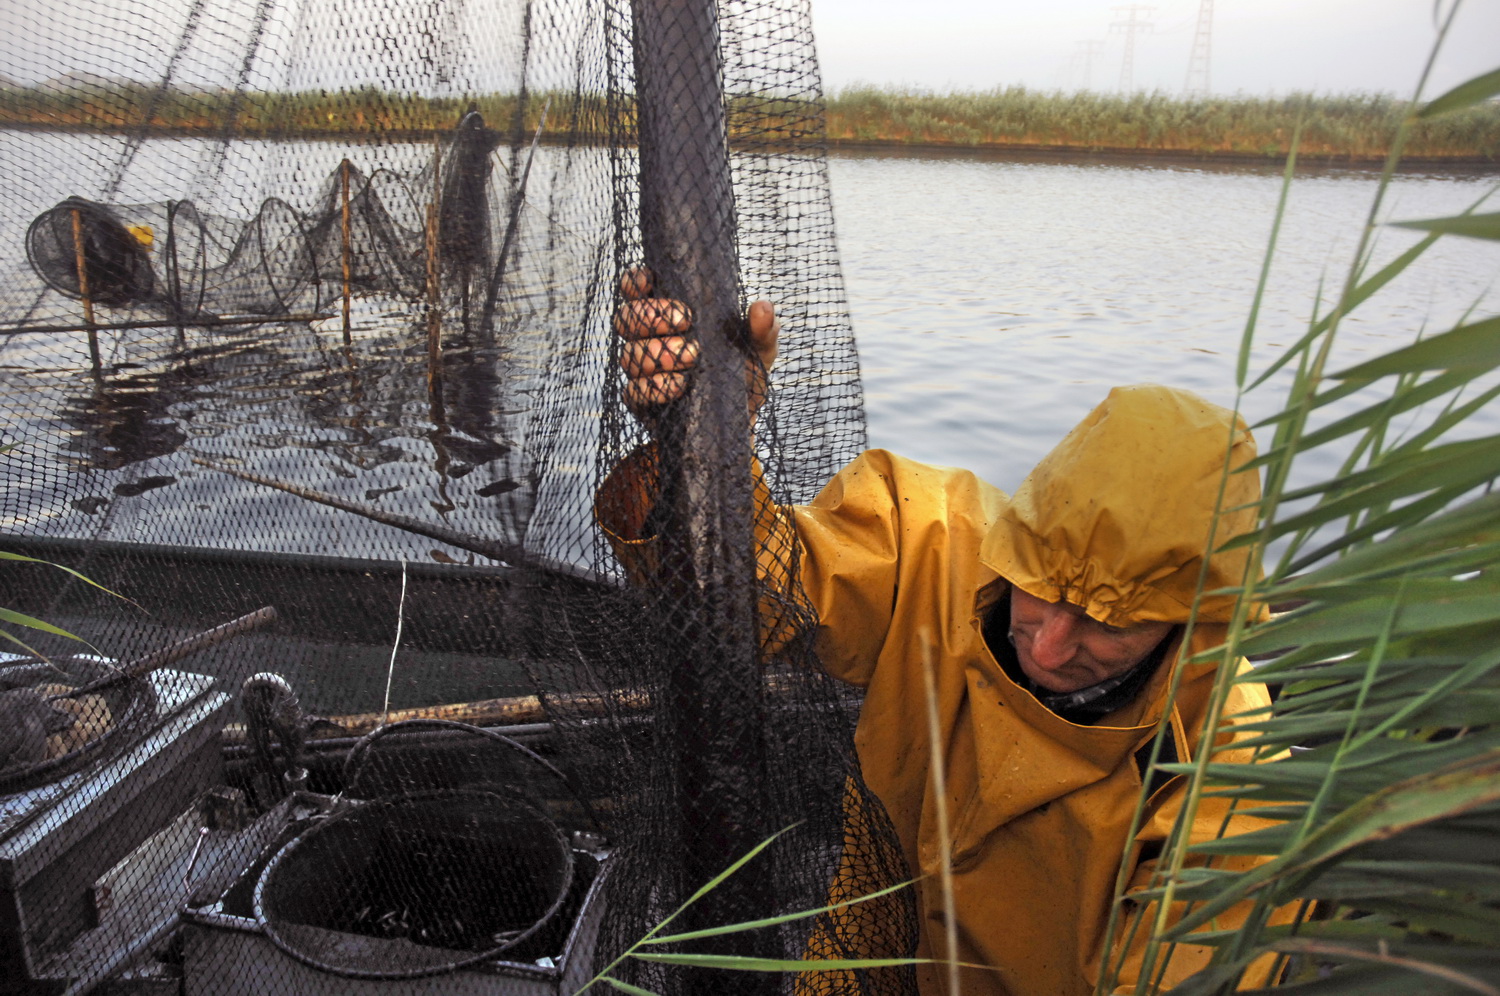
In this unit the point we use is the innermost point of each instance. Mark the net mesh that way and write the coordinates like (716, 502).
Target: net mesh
(307, 307)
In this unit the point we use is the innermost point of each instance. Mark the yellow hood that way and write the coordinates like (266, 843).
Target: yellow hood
(1117, 518)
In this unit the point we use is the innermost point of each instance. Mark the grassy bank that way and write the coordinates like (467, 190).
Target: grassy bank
(370, 111)
(1357, 126)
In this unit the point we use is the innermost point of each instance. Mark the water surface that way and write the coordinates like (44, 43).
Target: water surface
(995, 302)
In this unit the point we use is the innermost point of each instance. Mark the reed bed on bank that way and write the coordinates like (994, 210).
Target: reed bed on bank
(1356, 126)
(364, 112)
(1349, 127)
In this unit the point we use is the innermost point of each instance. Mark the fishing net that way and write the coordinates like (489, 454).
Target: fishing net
(307, 369)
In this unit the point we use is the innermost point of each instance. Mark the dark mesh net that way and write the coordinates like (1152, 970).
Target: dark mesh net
(306, 317)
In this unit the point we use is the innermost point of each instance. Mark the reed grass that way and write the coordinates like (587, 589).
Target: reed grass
(1352, 126)
(367, 113)
(14, 618)
(1355, 127)
(1380, 760)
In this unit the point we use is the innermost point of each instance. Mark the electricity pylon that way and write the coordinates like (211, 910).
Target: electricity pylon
(1130, 26)
(1086, 51)
(1197, 84)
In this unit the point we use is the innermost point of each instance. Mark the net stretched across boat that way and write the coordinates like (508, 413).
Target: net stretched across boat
(306, 306)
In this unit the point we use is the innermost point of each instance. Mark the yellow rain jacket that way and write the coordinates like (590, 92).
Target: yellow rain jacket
(897, 556)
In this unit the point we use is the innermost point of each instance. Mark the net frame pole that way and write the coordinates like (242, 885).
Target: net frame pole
(346, 250)
(174, 273)
(714, 691)
(80, 259)
(434, 274)
(175, 323)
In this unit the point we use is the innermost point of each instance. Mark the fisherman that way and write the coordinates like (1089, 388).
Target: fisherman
(1052, 622)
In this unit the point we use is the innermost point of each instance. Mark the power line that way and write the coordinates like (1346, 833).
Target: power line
(1132, 23)
(1197, 83)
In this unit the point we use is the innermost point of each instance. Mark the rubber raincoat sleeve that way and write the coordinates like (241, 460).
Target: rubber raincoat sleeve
(844, 546)
(623, 509)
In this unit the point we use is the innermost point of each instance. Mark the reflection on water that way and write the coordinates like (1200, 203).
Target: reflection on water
(124, 419)
(139, 425)
(136, 438)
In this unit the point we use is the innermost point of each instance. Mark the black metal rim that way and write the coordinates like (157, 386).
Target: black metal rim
(406, 800)
(103, 222)
(354, 761)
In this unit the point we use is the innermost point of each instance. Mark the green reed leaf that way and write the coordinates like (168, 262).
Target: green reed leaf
(1458, 467)
(1434, 605)
(1405, 516)
(1412, 802)
(1393, 984)
(1357, 296)
(23, 645)
(4, 555)
(1359, 879)
(1466, 94)
(1384, 409)
(735, 928)
(30, 622)
(1474, 348)
(1474, 226)
(1476, 521)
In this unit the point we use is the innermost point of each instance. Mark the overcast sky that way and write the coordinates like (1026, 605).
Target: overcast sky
(1258, 47)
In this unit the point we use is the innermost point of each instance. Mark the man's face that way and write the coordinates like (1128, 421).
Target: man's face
(1061, 649)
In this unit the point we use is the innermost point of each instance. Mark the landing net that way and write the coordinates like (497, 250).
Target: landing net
(306, 307)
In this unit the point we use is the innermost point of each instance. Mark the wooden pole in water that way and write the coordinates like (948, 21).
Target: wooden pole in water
(347, 253)
(174, 273)
(514, 554)
(434, 277)
(80, 258)
(708, 581)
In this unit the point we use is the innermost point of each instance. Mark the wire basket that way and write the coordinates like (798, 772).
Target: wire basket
(416, 884)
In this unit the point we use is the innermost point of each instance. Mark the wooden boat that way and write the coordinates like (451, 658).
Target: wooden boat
(93, 862)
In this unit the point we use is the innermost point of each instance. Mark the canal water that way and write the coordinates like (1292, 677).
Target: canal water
(995, 300)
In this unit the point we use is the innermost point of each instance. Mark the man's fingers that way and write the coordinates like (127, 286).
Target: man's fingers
(643, 393)
(649, 357)
(765, 332)
(636, 283)
(656, 355)
(655, 316)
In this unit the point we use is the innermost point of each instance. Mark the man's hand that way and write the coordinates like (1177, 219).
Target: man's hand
(657, 355)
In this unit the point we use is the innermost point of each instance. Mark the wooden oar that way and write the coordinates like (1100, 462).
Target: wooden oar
(484, 712)
(170, 655)
(508, 553)
(508, 711)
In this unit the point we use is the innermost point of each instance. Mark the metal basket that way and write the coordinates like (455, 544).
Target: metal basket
(416, 883)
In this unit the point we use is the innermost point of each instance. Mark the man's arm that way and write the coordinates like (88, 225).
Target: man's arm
(848, 535)
(658, 357)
